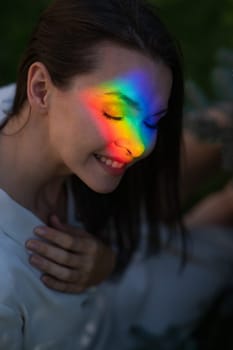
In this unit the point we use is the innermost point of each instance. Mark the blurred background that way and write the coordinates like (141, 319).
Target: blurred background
(203, 27)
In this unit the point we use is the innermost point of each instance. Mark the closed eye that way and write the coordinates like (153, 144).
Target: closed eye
(153, 122)
(151, 126)
(112, 117)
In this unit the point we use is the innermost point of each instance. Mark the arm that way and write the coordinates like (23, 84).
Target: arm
(216, 209)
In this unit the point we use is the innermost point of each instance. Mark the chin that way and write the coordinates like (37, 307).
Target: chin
(103, 187)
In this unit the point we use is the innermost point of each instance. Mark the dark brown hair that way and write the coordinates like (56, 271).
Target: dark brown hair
(65, 41)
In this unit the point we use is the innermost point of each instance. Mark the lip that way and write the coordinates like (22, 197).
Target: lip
(116, 159)
(110, 170)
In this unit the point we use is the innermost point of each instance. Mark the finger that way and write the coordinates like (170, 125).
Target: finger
(60, 286)
(56, 223)
(54, 253)
(59, 272)
(88, 246)
(61, 239)
(83, 244)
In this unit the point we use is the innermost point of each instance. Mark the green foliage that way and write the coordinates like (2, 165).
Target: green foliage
(201, 26)
(17, 19)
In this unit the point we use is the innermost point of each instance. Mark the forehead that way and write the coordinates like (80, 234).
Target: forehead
(131, 73)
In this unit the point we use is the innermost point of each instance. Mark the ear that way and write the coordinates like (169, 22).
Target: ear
(39, 86)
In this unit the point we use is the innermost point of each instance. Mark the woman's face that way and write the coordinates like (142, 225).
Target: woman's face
(107, 120)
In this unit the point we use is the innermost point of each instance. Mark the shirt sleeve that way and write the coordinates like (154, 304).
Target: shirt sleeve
(11, 328)
(7, 94)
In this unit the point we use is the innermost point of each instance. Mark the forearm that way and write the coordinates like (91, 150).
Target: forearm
(216, 209)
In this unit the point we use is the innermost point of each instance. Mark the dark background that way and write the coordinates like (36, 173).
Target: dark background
(202, 26)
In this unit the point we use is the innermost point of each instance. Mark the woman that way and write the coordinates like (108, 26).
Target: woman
(99, 85)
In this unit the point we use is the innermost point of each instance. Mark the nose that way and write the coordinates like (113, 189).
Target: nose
(134, 148)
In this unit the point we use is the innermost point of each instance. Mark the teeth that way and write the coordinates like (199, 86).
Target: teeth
(109, 162)
(117, 165)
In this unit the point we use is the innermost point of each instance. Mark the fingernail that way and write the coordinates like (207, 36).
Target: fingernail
(40, 230)
(31, 245)
(45, 279)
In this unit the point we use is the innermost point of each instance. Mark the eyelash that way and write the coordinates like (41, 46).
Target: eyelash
(111, 117)
(153, 127)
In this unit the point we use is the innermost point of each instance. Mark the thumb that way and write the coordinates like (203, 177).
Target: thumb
(57, 224)
(55, 221)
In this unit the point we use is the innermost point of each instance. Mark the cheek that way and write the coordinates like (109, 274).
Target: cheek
(150, 143)
(95, 124)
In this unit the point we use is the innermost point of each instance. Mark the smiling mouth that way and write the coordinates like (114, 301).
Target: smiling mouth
(110, 162)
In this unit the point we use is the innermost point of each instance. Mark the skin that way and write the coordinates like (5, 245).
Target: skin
(214, 210)
(68, 127)
(71, 259)
(79, 274)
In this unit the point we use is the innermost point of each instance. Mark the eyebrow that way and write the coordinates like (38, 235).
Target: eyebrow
(132, 102)
(125, 98)
(162, 112)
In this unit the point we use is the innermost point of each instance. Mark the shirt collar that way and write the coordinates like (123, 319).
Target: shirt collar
(15, 220)
(19, 222)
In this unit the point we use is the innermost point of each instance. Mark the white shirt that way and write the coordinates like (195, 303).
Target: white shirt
(6, 98)
(33, 317)
(153, 296)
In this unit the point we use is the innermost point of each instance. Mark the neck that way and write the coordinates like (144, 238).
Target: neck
(30, 173)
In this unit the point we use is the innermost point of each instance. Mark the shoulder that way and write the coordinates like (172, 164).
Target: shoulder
(6, 99)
